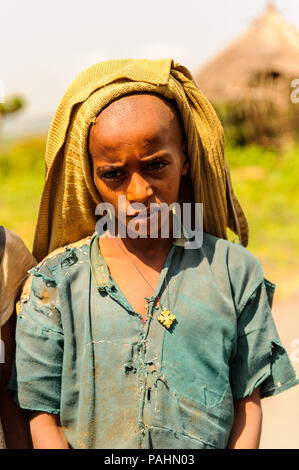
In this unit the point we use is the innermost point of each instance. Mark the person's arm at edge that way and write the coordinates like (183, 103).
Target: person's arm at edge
(247, 427)
(14, 420)
(46, 431)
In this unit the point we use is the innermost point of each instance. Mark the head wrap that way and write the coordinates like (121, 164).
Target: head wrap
(69, 198)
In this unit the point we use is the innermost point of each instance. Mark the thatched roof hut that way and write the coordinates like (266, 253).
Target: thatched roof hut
(257, 67)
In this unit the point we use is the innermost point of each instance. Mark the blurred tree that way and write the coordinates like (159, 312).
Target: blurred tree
(12, 105)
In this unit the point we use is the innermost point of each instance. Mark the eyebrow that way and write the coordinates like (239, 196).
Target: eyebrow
(110, 167)
(114, 166)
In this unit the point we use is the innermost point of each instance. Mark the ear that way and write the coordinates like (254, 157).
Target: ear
(186, 164)
(185, 167)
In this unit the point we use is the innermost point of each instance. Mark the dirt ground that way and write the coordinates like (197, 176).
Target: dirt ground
(281, 412)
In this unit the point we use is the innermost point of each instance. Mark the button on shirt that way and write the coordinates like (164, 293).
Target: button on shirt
(119, 382)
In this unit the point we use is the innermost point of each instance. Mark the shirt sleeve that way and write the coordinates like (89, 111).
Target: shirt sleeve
(36, 376)
(260, 359)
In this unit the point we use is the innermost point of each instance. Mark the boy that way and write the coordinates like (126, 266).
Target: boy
(142, 342)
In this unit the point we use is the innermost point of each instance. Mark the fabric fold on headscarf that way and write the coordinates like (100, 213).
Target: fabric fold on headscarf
(69, 198)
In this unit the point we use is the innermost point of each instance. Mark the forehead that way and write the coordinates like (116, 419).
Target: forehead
(139, 105)
(145, 118)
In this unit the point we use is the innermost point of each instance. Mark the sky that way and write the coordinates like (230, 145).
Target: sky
(45, 44)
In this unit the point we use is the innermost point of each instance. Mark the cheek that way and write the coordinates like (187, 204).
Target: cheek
(98, 184)
(174, 184)
(178, 172)
(167, 189)
(105, 192)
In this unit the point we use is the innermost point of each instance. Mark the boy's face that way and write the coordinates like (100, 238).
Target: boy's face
(137, 150)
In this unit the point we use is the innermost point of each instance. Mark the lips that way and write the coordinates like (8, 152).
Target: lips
(143, 214)
(143, 217)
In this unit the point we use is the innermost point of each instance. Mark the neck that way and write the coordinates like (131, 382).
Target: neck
(147, 247)
(143, 248)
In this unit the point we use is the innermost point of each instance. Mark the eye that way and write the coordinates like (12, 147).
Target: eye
(112, 174)
(156, 165)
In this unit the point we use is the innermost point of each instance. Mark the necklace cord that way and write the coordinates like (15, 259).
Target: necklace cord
(140, 272)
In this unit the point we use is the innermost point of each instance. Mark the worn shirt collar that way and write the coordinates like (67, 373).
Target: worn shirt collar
(99, 266)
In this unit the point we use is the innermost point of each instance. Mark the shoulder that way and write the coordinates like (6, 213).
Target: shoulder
(236, 256)
(243, 269)
(11, 238)
(219, 253)
(74, 250)
(14, 246)
(44, 273)
(16, 260)
(15, 263)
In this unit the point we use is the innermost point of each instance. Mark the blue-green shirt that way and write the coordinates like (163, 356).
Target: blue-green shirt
(119, 382)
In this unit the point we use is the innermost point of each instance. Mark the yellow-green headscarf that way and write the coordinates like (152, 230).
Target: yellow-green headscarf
(69, 198)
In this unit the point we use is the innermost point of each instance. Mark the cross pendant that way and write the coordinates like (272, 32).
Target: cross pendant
(166, 318)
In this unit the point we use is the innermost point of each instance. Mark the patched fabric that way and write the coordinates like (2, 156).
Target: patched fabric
(119, 382)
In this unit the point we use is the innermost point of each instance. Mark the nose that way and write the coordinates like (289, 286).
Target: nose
(138, 189)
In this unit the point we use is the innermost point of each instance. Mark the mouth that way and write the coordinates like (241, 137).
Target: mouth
(144, 216)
